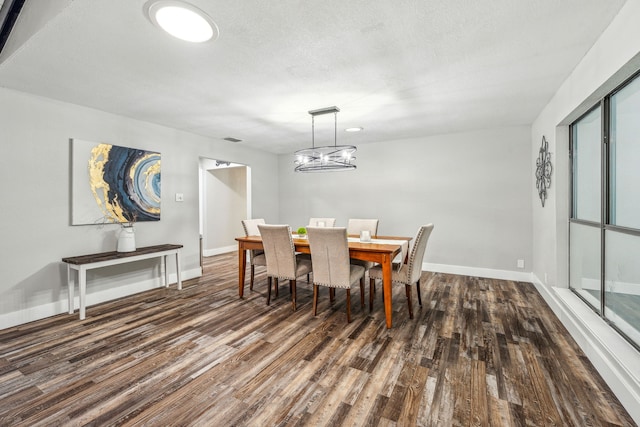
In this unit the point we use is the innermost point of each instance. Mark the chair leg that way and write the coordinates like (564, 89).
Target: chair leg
(418, 289)
(315, 299)
(292, 284)
(332, 295)
(408, 290)
(372, 291)
(307, 277)
(348, 305)
(269, 291)
(275, 279)
(253, 270)
(362, 292)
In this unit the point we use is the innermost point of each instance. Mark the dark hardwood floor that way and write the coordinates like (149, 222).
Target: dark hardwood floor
(479, 352)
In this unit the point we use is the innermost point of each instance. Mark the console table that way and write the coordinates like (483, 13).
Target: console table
(86, 262)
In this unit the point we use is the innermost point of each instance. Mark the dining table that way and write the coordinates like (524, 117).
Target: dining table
(380, 249)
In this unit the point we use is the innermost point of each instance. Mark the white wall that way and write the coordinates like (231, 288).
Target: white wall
(475, 187)
(35, 203)
(612, 59)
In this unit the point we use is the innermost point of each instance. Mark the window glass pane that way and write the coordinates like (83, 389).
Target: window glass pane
(625, 156)
(585, 262)
(622, 282)
(586, 167)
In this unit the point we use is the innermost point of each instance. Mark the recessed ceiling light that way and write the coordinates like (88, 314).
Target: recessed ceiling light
(353, 129)
(182, 20)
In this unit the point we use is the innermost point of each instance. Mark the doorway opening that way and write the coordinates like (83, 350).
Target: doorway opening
(225, 200)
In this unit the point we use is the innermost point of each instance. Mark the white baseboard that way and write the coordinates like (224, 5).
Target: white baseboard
(613, 357)
(29, 314)
(518, 276)
(218, 251)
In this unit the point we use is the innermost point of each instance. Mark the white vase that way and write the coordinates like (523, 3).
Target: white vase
(126, 240)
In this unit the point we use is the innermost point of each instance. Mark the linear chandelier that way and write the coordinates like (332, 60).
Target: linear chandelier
(328, 158)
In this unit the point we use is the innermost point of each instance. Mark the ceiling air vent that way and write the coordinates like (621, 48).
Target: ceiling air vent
(230, 139)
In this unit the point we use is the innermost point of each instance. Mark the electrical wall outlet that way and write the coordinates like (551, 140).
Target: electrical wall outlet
(520, 263)
(179, 197)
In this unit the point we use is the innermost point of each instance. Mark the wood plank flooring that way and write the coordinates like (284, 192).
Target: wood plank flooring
(479, 352)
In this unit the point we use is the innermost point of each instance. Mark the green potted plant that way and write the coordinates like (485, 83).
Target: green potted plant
(302, 232)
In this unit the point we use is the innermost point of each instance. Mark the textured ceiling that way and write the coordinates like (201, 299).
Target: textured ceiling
(397, 68)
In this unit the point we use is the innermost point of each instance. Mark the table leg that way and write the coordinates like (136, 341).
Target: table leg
(71, 284)
(163, 260)
(242, 266)
(178, 269)
(387, 287)
(82, 279)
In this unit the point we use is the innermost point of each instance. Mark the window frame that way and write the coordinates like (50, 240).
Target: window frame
(605, 200)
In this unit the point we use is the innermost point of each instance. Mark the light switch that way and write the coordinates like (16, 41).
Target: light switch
(179, 197)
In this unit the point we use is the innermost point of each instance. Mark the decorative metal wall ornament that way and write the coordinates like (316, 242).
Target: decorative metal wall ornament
(543, 170)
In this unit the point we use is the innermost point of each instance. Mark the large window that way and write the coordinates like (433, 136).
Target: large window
(604, 263)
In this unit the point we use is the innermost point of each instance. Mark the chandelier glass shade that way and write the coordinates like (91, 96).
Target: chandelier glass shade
(328, 158)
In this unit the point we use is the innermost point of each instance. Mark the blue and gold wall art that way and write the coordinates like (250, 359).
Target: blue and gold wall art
(113, 184)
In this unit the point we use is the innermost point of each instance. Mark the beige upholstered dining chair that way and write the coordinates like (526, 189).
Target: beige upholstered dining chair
(316, 222)
(331, 268)
(282, 261)
(355, 226)
(405, 274)
(256, 256)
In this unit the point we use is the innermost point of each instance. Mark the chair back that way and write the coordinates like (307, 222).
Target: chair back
(330, 256)
(417, 252)
(279, 251)
(251, 226)
(328, 222)
(355, 226)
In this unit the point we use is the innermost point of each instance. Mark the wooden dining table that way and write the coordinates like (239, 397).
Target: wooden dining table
(381, 253)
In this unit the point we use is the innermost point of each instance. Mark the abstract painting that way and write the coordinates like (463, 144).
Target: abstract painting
(113, 184)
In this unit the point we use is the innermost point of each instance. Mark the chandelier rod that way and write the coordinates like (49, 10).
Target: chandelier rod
(321, 111)
(313, 131)
(335, 128)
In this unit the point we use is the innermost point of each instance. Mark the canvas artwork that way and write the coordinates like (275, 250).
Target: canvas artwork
(113, 184)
